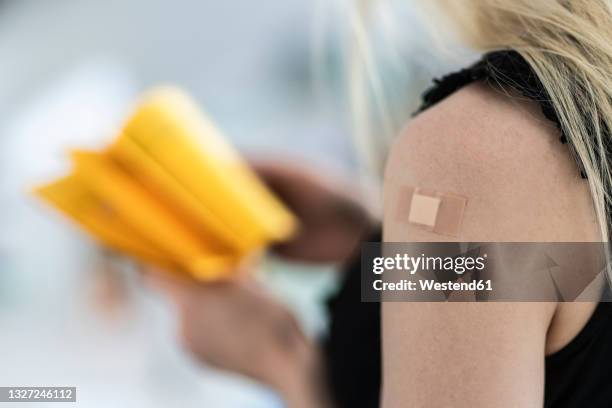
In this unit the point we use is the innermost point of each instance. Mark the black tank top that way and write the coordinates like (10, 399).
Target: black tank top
(576, 376)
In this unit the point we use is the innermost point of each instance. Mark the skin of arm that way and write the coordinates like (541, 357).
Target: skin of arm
(521, 185)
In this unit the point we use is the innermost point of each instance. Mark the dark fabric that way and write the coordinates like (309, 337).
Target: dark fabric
(352, 348)
(579, 374)
(500, 68)
(576, 376)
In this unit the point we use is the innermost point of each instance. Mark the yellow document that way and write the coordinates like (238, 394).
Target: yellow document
(219, 192)
(71, 196)
(171, 191)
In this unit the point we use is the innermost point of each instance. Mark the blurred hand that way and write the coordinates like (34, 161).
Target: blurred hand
(236, 326)
(333, 222)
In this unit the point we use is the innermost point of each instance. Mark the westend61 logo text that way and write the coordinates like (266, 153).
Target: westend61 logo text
(484, 271)
(414, 264)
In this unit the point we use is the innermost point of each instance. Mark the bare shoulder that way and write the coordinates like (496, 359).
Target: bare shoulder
(521, 184)
(505, 157)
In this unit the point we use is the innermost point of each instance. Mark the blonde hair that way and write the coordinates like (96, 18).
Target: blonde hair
(568, 44)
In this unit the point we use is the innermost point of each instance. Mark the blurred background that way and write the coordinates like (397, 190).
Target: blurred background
(269, 73)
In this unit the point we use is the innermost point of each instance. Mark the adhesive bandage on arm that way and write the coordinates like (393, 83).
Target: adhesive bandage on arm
(434, 211)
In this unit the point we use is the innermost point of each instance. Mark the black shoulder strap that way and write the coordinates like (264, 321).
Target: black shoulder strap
(500, 69)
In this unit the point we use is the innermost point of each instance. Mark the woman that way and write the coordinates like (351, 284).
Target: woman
(525, 135)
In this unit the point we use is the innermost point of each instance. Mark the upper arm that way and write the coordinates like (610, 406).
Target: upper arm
(519, 183)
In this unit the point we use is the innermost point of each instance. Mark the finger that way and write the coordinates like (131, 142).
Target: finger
(286, 180)
(274, 169)
(185, 291)
(174, 286)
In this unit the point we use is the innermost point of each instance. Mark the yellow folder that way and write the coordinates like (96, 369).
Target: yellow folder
(171, 191)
